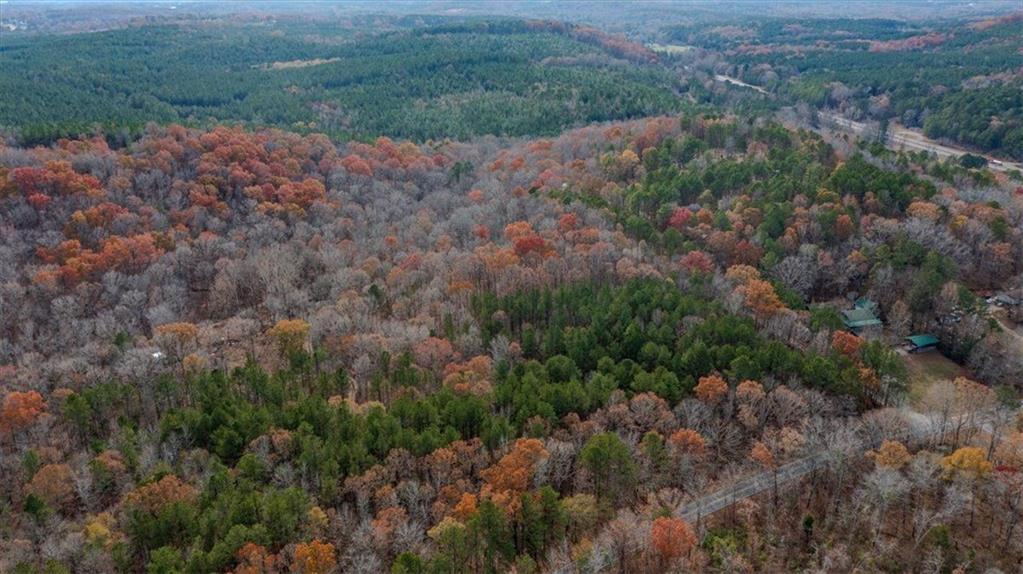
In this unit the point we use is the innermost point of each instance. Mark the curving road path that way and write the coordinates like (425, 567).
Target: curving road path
(700, 508)
(924, 427)
(738, 82)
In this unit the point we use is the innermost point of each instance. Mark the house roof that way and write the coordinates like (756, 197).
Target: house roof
(865, 303)
(922, 340)
(861, 324)
(860, 318)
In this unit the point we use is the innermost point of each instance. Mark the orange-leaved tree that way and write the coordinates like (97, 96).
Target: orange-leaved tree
(176, 339)
(21, 410)
(255, 559)
(711, 389)
(291, 335)
(846, 343)
(968, 460)
(513, 473)
(54, 484)
(687, 442)
(891, 454)
(671, 538)
(160, 494)
(314, 558)
(761, 298)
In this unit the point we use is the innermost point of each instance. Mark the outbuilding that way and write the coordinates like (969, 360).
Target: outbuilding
(920, 343)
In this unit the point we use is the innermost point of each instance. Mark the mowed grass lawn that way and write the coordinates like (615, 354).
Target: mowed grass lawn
(925, 369)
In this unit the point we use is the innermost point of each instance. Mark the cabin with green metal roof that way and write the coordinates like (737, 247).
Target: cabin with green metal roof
(859, 318)
(920, 343)
(866, 303)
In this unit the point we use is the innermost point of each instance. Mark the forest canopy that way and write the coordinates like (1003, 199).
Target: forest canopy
(457, 80)
(309, 290)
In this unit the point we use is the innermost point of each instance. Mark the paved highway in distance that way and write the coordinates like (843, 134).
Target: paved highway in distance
(903, 138)
(899, 137)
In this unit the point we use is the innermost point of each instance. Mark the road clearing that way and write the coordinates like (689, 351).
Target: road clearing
(898, 137)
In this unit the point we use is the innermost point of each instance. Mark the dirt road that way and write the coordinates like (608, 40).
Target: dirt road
(1008, 328)
(737, 82)
(922, 427)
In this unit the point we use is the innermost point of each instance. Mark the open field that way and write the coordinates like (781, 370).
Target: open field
(291, 64)
(925, 369)
(670, 49)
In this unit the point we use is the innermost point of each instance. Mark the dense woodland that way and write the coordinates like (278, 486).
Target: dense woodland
(467, 76)
(412, 357)
(455, 80)
(240, 348)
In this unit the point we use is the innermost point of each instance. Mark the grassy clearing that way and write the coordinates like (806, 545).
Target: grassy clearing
(671, 49)
(297, 64)
(925, 369)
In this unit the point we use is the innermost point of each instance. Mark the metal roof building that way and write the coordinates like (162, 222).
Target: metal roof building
(921, 342)
(859, 318)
